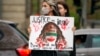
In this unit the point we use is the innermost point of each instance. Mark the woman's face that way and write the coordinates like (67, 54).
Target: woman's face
(62, 10)
(51, 28)
(46, 8)
(44, 4)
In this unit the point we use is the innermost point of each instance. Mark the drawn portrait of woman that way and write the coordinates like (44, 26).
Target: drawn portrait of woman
(51, 34)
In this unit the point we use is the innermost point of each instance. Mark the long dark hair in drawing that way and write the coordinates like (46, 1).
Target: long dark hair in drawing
(52, 27)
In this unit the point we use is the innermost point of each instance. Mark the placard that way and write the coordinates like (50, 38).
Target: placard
(51, 33)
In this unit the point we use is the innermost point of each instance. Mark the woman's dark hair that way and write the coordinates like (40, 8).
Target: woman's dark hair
(55, 11)
(59, 32)
(65, 6)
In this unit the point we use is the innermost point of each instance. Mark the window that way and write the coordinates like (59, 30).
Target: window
(96, 41)
(80, 41)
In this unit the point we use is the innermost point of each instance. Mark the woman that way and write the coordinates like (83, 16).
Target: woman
(63, 9)
(48, 9)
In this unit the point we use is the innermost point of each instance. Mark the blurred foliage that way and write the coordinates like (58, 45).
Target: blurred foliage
(36, 5)
(73, 13)
(76, 18)
(96, 14)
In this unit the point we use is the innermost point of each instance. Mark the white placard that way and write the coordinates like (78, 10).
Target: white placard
(51, 33)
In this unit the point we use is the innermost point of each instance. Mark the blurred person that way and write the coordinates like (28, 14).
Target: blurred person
(63, 9)
(48, 9)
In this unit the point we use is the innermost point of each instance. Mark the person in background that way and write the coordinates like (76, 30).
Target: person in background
(63, 9)
(48, 9)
